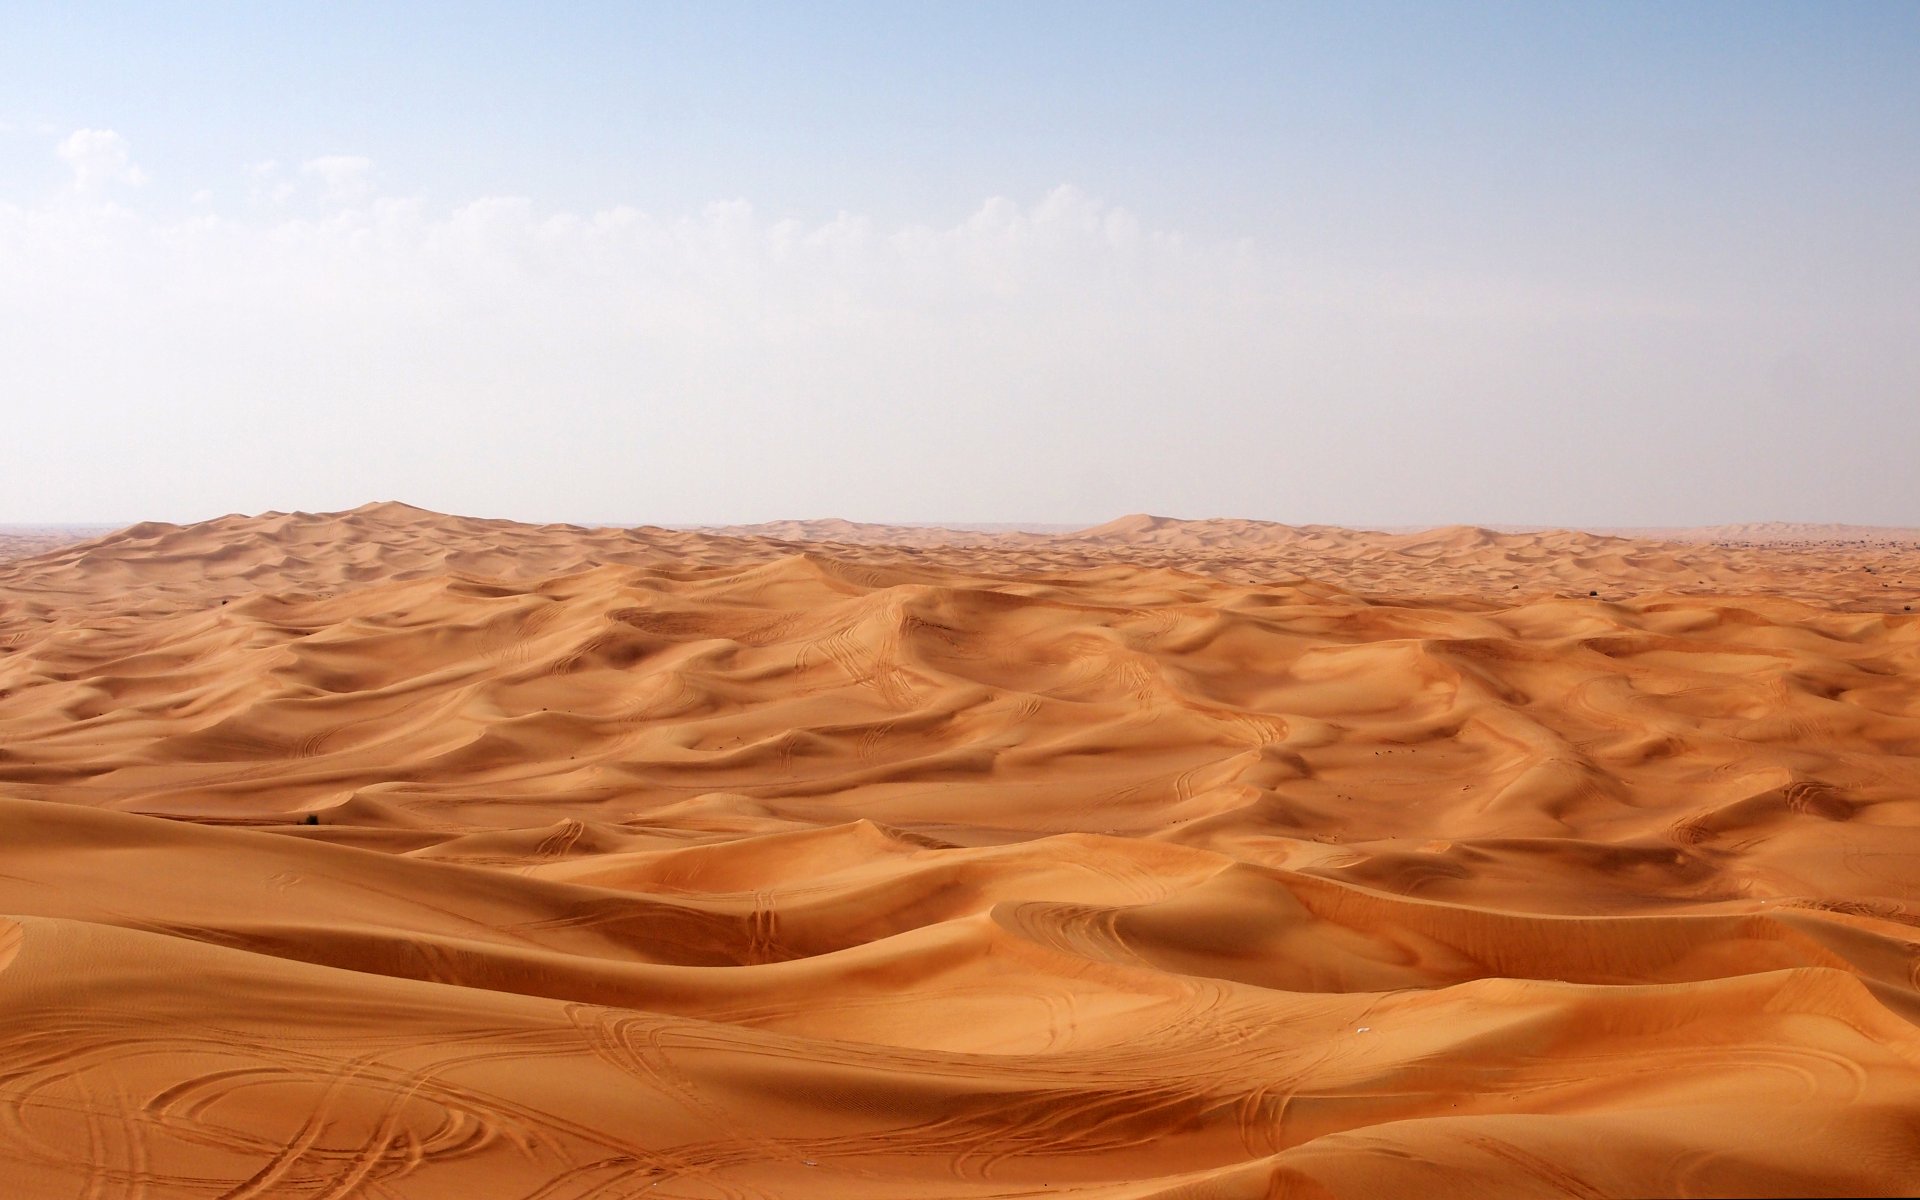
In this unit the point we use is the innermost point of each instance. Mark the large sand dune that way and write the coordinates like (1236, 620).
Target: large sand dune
(392, 854)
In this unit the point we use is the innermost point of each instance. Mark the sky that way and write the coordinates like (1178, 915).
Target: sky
(1606, 264)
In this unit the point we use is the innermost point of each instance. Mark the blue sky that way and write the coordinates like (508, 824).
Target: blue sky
(1600, 264)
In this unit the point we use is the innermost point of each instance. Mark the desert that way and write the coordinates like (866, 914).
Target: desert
(780, 600)
(391, 853)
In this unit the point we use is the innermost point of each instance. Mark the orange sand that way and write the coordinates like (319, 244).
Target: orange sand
(1165, 859)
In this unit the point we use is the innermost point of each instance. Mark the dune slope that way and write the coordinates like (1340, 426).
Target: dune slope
(392, 854)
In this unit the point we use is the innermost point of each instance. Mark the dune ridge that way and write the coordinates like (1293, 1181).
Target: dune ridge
(389, 853)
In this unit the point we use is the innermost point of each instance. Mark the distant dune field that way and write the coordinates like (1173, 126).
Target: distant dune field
(393, 854)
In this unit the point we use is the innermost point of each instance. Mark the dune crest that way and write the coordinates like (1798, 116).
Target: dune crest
(392, 853)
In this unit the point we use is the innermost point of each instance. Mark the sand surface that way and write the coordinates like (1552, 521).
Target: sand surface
(392, 854)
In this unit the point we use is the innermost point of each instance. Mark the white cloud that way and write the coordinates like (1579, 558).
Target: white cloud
(344, 178)
(1054, 358)
(268, 185)
(439, 333)
(100, 159)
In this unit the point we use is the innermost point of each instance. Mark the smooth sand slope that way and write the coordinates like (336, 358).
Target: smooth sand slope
(393, 854)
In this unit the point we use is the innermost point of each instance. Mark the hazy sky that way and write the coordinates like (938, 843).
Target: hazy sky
(1603, 264)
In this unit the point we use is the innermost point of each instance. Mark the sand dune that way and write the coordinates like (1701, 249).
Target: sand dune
(1801, 533)
(23, 541)
(392, 854)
